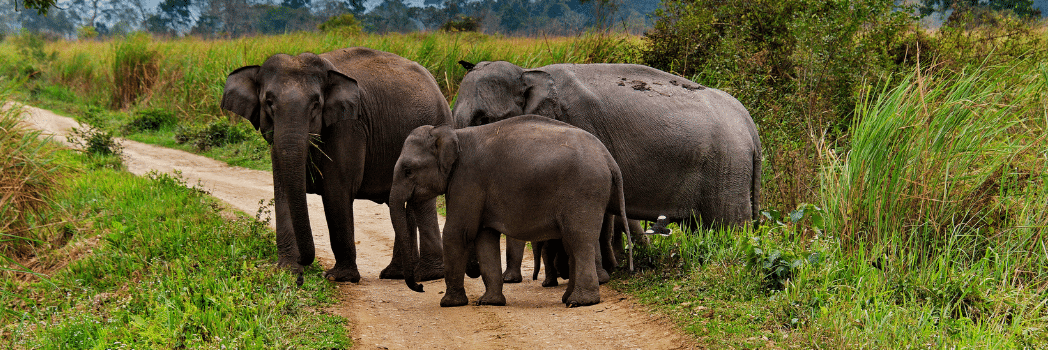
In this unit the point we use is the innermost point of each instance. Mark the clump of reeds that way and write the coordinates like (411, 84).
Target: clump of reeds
(29, 173)
(136, 68)
(949, 163)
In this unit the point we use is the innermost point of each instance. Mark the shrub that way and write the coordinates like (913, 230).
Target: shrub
(95, 141)
(215, 134)
(796, 65)
(342, 24)
(151, 120)
(462, 23)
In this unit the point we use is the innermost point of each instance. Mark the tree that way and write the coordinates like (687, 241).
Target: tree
(172, 17)
(1021, 8)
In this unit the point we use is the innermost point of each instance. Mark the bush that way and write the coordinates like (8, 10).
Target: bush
(344, 24)
(95, 141)
(462, 23)
(215, 134)
(151, 120)
(796, 65)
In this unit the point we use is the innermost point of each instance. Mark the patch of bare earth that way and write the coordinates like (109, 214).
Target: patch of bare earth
(385, 314)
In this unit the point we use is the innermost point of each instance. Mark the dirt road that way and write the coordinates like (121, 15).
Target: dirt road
(385, 314)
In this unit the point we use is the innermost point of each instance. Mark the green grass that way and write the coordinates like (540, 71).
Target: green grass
(112, 260)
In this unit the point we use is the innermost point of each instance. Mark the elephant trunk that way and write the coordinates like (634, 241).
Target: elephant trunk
(289, 183)
(398, 213)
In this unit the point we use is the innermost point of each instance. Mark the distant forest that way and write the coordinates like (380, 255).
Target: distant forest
(236, 18)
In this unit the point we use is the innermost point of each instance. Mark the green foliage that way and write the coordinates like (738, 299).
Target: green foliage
(160, 266)
(214, 134)
(86, 32)
(152, 119)
(796, 66)
(135, 69)
(462, 23)
(1021, 8)
(344, 24)
(95, 141)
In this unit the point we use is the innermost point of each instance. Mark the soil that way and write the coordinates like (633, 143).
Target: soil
(385, 314)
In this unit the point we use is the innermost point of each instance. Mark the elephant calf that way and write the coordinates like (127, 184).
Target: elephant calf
(529, 177)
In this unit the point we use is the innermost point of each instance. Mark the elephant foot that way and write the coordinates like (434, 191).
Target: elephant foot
(392, 272)
(342, 274)
(550, 282)
(577, 299)
(429, 273)
(454, 298)
(289, 263)
(511, 276)
(496, 300)
(603, 276)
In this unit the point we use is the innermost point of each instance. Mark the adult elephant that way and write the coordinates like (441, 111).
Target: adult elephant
(686, 151)
(336, 123)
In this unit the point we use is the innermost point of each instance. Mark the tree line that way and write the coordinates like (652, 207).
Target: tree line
(236, 18)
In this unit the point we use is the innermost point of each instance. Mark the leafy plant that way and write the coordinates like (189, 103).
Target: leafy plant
(215, 134)
(344, 24)
(151, 120)
(95, 141)
(775, 265)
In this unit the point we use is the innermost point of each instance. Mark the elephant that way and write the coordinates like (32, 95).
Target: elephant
(552, 251)
(336, 122)
(686, 151)
(530, 177)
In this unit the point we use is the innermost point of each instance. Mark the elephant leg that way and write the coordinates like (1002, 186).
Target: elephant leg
(490, 267)
(514, 257)
(583, 288)
(472, 264)
(455, 255)
(338, 209)
(431, 263)
(556, 265)
(536, 250)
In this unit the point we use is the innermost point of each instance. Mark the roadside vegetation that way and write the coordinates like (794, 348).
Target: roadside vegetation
(94, 257)
(905, 184)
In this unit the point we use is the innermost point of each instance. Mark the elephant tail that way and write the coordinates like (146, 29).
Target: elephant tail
(620, 196)
(755, 185)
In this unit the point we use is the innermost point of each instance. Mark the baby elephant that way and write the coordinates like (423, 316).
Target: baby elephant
(529, 177)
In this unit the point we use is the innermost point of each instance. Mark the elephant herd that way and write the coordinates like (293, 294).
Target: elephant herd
(563, 153)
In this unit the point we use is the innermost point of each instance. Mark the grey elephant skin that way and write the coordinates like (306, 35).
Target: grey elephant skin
(530, 178)
(336, 122)
(686, 151)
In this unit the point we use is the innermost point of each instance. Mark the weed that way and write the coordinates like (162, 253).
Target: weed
(135, 69)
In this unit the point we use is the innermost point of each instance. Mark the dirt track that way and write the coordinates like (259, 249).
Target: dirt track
(385, 314)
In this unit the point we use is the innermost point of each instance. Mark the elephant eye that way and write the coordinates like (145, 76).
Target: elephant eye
(407, 172)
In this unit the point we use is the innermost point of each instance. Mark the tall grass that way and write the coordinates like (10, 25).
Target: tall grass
(29, 175)
(939, 157)
(190, 72)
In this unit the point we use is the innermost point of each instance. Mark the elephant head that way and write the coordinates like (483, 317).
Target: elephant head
(421, 173)
(290, 100)
(493, 91)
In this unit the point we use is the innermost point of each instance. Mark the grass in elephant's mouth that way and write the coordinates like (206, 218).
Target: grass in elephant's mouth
(170, 269)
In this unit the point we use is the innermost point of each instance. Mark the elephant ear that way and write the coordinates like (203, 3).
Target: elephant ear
(241, 94)
(540, 94)
(341, 98)
(445, 145)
